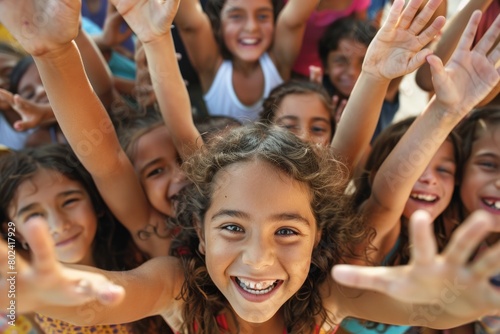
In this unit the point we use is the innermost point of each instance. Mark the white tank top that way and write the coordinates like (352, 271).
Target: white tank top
(221, 98)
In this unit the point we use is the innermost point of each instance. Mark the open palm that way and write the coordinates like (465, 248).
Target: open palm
(148, 18)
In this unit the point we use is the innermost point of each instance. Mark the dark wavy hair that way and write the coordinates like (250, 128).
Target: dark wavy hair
(213, 8)
(113, 247)
(344, 28)
(315, 167)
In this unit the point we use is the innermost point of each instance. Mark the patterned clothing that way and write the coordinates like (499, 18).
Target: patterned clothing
(55, 326)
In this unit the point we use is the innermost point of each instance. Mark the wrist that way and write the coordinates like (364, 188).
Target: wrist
(58, 54)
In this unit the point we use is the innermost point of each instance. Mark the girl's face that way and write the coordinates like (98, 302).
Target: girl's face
(259, 234)
(247, 28)
(434, 189)
(67, 208)
(7, 63)
(157, 164)
(480, 187)
(343, 65)
(31, 88)
(306, 116)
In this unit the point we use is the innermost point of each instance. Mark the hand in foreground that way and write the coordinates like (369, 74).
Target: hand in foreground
(44, 281)
(447, 281)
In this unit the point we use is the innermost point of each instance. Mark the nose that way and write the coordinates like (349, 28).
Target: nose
(177, 182)
(304, 135)
(58, 223)
(428, 176)
(250, 24)
(354, 69)
(258, 252)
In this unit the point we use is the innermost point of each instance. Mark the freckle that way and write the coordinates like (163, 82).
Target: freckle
(225, 196)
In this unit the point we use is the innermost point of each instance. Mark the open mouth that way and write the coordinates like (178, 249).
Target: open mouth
(426, 198)
(249, 41)
(257, 288)
(492, 203)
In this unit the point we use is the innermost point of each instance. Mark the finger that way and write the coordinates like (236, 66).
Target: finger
(431, 31)
(409, 13)
(487, 265)
(380, 279)
(393, 16)
(438, 73)
(6, 96)
(467, 38)
(417, 60)
(42, 246)
(467, 237)
(489, 38)
(424, 16)
(424, 248)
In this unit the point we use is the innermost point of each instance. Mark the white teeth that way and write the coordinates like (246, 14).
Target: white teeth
(424, 197)
(493, 204)
(258, 288)
(249, 41)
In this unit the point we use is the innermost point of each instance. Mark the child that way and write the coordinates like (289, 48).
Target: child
(265, 256)
(327, 12)
(49, 182)
(478, 187)
(342, 49)
(248, 50)
(302, 107)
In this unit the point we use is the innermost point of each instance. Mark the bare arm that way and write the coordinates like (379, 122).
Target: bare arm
(153, 30)
(434, 290)
(289, 31)
(449, 40)
(467, 78)
(78, 110)
(196, 33)
(397, 49)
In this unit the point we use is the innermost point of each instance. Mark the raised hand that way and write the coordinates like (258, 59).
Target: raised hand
(149, 19)
(448, 280)
(469, 75)
(32, 114)
(41, 26)
(397, 49)
(45, 281)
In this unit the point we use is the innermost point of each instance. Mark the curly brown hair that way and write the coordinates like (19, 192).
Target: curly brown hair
(315, 167)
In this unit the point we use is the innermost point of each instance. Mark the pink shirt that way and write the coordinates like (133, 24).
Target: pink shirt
(316, 26)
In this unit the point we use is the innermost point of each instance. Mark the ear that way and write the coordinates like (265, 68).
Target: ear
(318, 238)
(198, 226)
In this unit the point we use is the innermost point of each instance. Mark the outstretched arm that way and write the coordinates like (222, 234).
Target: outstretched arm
(84, 295)
(396, 50)
(467, 78)
(434, 290)
(47, 31)
(151, 21)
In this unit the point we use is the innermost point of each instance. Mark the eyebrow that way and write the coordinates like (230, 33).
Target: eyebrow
(295, 118)
(30, 206)
(284, 216)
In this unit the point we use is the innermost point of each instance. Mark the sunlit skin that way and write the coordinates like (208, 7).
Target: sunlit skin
(260, 228)
(156, 162)
(67, 208)
(306, 116)
(434, 189)
(343, 65)
(247, 28)
(480, 186)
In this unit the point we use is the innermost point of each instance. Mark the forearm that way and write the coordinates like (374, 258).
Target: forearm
(172, 94)
(360, 118)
